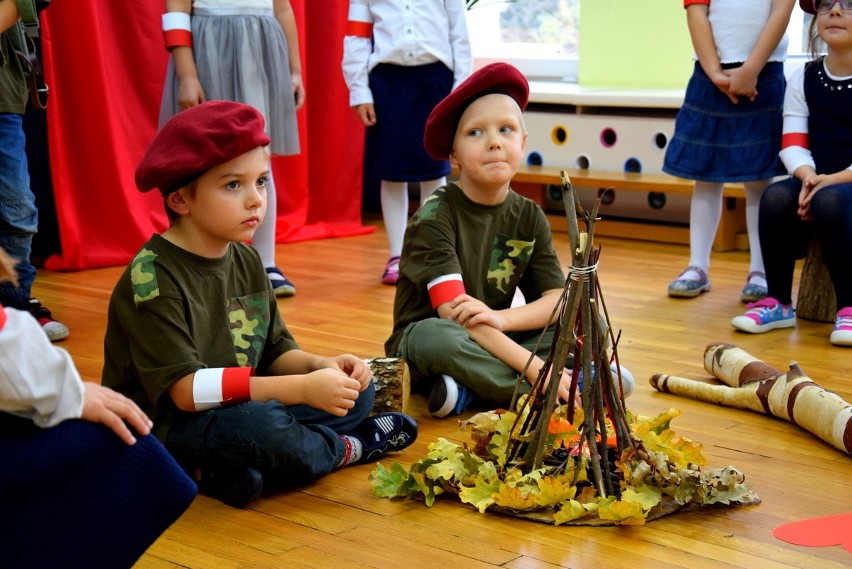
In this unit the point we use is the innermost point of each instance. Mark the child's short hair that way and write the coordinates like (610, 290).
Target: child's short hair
(444, 119)
(197, 139)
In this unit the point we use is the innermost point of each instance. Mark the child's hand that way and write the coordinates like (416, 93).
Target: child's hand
(298, 89)
(723, 82)
(563, 393)
(468, 311)
(354, 367)
(743, 83)
(367, 114)
(190, 93)
(103, 405)
(330, 390)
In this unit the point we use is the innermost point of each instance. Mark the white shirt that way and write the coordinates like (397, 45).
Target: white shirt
(404, 32)
(38, 380)
(737, 24)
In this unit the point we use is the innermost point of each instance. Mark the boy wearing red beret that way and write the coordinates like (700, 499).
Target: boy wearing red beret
(195, 338)
(469, 247)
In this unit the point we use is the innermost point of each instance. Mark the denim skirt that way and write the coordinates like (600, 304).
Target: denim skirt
(716, 140)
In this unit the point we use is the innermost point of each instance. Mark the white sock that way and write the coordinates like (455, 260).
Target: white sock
(753, 192)
(354, 450)
(264, 236)
(394, 199)
(705, 211)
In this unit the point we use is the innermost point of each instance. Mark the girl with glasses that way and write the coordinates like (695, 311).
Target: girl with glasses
(816, 200)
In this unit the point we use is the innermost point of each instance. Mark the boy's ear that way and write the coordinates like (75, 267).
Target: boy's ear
(454, 161)
(177, 201)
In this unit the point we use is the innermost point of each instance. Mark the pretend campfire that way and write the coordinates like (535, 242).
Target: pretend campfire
(599, 464)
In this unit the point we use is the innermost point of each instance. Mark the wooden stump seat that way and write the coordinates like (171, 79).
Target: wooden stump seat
(816, 300)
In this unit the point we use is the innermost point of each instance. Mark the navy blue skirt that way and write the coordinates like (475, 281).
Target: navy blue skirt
(718, 141)
(403, 98)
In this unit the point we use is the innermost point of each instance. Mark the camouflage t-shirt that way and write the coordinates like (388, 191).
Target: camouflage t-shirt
(173, 312)
(496, 249)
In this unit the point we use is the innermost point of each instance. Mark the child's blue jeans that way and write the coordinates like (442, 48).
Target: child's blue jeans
(287, 444)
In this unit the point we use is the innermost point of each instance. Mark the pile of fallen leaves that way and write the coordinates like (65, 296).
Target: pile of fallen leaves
(658, 474)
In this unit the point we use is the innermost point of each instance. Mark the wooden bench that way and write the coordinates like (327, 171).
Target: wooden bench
(533, 181)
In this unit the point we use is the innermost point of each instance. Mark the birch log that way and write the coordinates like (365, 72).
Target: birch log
(392, 383)
(791, 396)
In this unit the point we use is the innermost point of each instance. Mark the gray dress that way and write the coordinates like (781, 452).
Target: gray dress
(241, 55)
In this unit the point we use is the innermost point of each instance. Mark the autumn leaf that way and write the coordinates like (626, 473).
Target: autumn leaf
(515, 498)
(621, 512)
(573, 510)
(554, 489)
(389, 483)
(645, 495)
(480, 494)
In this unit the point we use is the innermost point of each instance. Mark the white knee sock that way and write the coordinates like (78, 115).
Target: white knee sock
(704, 214)
(264, 237)
(394, 199)
(753, 192)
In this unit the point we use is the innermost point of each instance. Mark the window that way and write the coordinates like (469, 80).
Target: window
(540, 37)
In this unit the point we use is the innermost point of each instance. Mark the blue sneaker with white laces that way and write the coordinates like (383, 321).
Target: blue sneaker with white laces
(383, 433)
(765, 315)
(449, 397)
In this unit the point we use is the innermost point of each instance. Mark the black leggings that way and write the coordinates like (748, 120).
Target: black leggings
(784, 237)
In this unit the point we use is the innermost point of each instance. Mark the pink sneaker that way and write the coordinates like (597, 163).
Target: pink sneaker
(391, 274)
(842, 334)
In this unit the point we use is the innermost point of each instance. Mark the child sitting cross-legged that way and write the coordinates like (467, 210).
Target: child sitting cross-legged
(194, 335)
(469, 248)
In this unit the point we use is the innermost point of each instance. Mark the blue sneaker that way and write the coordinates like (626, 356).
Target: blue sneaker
(281, 285)
(449, 397)
(383, 433)
(765, 315)
(689, 288)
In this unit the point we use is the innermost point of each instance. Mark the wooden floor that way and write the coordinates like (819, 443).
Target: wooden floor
(336, 522)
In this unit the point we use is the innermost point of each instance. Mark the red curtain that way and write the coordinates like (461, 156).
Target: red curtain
(105, 64)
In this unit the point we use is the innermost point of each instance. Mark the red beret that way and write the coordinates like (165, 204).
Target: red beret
(493, 78)
(807, 6)
(197, 139)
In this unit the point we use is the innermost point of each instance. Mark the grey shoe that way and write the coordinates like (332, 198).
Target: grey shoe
(688, 288)
(753, 292)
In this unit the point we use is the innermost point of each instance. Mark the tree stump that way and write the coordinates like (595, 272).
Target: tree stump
(393, 386)
(816, 300)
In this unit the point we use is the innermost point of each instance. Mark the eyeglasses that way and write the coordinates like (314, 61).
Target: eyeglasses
(825, 6)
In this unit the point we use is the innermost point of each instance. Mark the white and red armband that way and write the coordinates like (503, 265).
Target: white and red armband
(177, 31)
(214, 387)
(445, 288)
(359, 22)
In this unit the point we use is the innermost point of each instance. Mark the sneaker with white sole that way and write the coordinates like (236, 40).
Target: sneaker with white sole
(449, 397)
(383, 433)
(765, 315)
(842, 334)
(55, 330)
